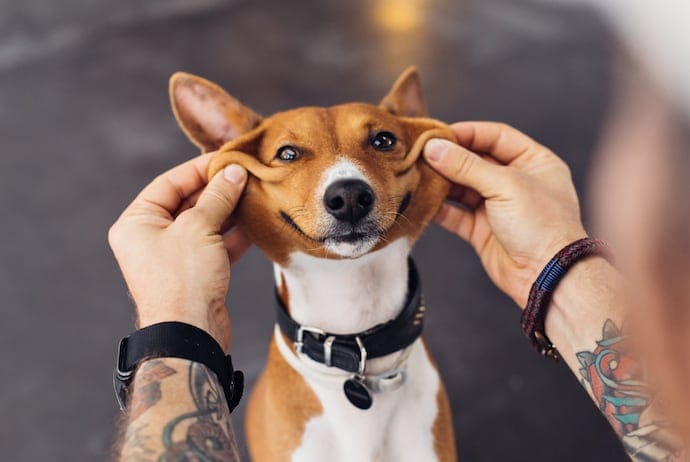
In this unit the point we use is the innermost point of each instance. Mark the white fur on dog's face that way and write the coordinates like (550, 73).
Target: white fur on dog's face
(343, 169)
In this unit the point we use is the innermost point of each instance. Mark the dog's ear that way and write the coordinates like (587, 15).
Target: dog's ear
(405, 98)
(208, 115)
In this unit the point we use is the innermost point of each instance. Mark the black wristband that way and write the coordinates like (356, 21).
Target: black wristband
(175, 340)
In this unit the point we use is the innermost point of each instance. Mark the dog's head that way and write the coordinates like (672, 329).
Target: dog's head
(335, 182)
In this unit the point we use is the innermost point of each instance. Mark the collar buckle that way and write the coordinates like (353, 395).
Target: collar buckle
(299, 342)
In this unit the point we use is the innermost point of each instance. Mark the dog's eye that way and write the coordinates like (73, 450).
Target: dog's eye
(383, 141)
(287, 153)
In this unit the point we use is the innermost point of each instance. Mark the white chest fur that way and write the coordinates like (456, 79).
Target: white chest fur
(347, 296)
(398, 426)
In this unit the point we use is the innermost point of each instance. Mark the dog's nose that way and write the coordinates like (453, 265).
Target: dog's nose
(349, 200)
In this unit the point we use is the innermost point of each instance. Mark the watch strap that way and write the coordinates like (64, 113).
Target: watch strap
(175, 340)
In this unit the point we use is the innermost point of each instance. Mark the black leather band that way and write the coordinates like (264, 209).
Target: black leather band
(175, 340)
(378, 341)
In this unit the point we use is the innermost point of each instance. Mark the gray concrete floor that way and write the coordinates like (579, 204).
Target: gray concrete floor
(85, 123)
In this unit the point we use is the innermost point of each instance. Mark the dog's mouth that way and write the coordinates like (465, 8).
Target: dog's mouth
(364, 232)
(342, 233)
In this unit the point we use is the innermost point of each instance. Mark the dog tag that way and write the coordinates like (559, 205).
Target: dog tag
(357, 393)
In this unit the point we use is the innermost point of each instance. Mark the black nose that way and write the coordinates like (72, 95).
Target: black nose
(349, 200)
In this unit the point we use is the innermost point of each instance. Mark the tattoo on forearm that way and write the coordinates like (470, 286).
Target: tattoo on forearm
(148, 381)
(200, 433)
(615, 378)
(207, 433)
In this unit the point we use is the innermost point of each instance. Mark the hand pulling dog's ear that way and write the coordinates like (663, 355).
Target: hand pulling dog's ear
(208, 115)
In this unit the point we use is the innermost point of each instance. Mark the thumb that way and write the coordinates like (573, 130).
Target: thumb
(464, 167)
(221, 195)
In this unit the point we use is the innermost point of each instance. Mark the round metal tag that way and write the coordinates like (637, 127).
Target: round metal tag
(357, 393)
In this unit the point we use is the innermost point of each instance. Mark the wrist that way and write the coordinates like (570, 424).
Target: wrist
(581, 300)
(533, 319)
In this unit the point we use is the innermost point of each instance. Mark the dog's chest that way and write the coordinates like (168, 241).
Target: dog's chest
(398, 426)
(345, 296)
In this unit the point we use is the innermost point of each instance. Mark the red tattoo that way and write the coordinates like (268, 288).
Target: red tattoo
(148, 386)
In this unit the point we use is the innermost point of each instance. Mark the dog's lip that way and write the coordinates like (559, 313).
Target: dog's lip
(288, 219)
(353, 237)
(350, 237)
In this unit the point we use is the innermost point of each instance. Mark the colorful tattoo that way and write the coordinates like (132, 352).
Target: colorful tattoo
(615, 379)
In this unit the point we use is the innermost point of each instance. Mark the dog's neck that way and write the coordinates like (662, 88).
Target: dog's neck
(346, 296)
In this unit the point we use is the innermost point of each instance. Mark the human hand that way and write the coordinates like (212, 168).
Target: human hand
(517, 204)
(172, 249)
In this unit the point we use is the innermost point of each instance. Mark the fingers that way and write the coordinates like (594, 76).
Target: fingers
(220, 197)
(501, 141)
(164, 195)
(188, 203)
(456, 220)
(236, 243)
(463, 167)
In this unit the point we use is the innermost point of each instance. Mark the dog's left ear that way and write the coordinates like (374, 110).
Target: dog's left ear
(208, 115)
(405, 98)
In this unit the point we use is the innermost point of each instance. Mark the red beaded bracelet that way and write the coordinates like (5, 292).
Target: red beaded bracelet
(534, 315)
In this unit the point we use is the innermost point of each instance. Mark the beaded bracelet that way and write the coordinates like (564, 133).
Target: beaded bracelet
(534, 315)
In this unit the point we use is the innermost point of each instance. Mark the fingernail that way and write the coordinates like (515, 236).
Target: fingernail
(234, 174)
(436, 149)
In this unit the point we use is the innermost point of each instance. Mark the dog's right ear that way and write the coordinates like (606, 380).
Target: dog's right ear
(208, 115)
(405, 98)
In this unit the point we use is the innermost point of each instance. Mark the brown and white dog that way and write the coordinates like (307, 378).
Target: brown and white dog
(336, 199)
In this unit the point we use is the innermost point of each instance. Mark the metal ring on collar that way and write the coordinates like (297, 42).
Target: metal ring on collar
(362, 357)
(328, 350)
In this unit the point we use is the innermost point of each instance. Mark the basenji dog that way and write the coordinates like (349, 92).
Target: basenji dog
(336, 198)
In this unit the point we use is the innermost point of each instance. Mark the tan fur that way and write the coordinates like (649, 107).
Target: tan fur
(342, 131)
(282, 402)
(321, 134)
(443, 432)
(444, 436)
(279, 408)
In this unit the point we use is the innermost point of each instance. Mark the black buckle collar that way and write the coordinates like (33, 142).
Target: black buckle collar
(350, 352)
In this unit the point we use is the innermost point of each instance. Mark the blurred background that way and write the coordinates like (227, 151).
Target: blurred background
(85, 124)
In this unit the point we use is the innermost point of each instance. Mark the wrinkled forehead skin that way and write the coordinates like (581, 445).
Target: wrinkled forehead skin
(326, 137)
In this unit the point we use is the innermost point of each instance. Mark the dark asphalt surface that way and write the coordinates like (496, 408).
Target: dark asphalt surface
(85, 123)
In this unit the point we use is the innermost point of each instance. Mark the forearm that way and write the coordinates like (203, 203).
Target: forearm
(586, 298)
(177, 411)
(586, 323)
